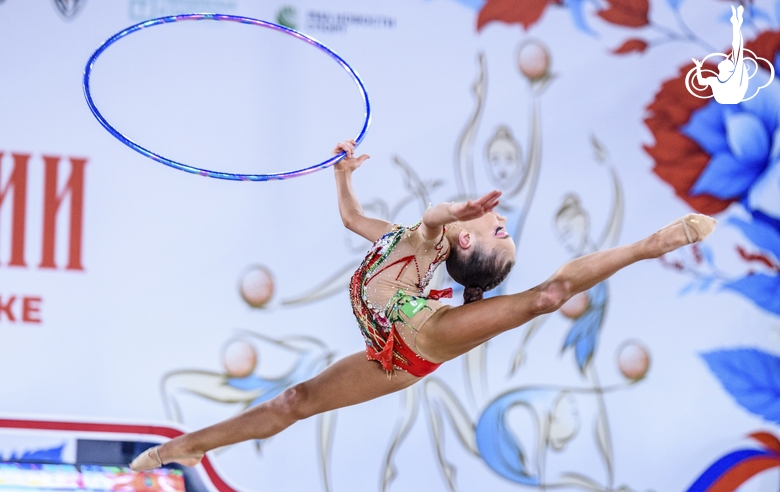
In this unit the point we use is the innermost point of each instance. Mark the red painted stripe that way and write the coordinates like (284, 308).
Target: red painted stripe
(741, 473)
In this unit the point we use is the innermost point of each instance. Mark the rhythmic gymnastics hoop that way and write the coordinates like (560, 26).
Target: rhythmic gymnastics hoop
(205, 172)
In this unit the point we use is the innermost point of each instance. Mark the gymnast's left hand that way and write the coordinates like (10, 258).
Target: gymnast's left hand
(474, 209)
(349, 163)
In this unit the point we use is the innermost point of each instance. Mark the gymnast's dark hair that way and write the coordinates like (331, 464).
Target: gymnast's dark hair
(478, 272)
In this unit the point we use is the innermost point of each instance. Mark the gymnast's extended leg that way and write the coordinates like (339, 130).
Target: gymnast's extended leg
(454, 331)
(349, 381)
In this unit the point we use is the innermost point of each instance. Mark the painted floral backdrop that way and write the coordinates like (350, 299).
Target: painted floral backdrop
(205, 298)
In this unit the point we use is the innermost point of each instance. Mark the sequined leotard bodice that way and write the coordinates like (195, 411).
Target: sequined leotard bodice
(387, 294)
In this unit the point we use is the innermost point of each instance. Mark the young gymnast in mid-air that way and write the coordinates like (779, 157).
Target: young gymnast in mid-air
(409, 333)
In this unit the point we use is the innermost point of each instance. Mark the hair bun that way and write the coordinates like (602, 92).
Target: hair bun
(471, 294)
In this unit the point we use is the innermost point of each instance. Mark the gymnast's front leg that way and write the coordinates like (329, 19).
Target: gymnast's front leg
(351, 380)
(452, 332)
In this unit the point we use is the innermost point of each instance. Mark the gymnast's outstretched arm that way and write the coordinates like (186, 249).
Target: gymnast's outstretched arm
(352, 214)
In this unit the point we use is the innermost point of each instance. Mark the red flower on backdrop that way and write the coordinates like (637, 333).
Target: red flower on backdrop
(629, 13)
(679, 160)
(523, 12)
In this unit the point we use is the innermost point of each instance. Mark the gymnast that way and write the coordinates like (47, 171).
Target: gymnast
(409, 333)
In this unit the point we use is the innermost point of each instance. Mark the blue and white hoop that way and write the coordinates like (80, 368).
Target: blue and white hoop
(205, 172)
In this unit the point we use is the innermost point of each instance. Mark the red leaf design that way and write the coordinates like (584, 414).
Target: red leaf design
(745, 255)
(629, 13)
(631, 46)
(523, 12)
(768, 440)
(697, 256)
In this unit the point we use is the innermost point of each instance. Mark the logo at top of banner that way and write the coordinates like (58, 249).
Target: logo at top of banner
(287, 17)
(68, 8)
(331, 22)
(731, 83)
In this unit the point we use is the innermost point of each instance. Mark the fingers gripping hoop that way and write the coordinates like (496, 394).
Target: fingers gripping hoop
(205, 172)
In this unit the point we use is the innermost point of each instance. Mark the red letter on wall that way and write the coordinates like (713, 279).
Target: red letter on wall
(31, 310)
(17, 182)
(51, 205)
(6, 308)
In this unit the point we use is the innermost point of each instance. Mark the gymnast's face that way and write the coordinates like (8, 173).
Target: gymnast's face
(490, 232)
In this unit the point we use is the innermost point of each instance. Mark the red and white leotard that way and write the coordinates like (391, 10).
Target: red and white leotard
(387, 295)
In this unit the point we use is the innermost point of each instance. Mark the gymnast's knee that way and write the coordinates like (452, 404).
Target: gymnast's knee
(551, 295)
(295, 403)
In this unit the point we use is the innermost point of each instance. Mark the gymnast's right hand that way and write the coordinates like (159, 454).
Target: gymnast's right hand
(349, 163)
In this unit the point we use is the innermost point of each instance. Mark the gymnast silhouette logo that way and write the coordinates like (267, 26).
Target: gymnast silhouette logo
(730, 84)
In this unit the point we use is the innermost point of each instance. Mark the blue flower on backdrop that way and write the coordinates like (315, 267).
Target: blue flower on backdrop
(743, 141)
(719, 156)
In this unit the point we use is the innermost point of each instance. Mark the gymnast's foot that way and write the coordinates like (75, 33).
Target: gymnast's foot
(691, 228)
(162, 455)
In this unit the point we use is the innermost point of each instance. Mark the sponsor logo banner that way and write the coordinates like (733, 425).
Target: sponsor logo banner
(324, 21)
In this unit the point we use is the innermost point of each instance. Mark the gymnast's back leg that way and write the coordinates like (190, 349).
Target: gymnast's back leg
(351, 380)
